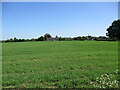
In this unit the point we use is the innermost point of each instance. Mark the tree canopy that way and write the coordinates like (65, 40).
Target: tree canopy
(47, 35)
(114, 30)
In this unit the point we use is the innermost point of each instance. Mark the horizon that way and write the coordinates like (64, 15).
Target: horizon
(66, 19)
(54, 37)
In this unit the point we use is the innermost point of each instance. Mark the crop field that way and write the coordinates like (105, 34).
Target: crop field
(57, 64)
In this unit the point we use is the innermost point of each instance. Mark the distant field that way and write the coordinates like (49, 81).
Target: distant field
(57, 64)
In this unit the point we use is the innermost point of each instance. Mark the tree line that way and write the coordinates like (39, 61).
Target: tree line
(113, 34)
(79, 38)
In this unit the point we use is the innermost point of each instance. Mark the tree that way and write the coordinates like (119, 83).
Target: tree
(80, 38)
(84, 37)
(56, 36)
(32, 39)
(11, 40)
(114, 30)
(15, 39)
(47, 35)
(7, 40)
(19, 40)
(40, 38)
(75, 38)
(60, 38)
(101, 38)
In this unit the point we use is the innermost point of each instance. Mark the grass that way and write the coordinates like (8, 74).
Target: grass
(57, 64)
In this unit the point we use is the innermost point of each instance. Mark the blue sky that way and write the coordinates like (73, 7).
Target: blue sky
(66, 19)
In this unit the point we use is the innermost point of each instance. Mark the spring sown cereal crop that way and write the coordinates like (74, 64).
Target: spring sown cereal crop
(60, 64)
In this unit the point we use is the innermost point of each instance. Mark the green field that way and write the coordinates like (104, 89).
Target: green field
(57, 64)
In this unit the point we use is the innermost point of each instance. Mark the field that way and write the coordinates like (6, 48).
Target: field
(57, 64)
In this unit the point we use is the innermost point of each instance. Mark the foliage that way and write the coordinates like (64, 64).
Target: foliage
(47, 35)
(114, 30)
(101, 38)
(40, 38)
(79, 38)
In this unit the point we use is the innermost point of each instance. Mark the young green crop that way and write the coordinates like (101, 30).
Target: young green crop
(57, 64)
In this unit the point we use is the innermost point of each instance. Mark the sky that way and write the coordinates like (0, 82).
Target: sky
(66, 19)
(60, 0)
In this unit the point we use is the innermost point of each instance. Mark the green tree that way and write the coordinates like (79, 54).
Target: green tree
(11, 40)
(56, 36)
(40, 38)
(15, 39)
(114, 30)
(60, 38)
(32, 39)
(80, 38)
(47, 35)
(7, 40)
